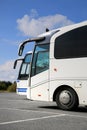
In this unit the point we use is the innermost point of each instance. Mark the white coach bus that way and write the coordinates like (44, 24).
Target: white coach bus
(23, 75)
(58, 71)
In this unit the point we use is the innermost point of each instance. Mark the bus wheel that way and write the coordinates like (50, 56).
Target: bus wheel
(66, 99)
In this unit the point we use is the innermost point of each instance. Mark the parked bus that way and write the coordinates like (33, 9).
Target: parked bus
(22, 80)
(59, 70)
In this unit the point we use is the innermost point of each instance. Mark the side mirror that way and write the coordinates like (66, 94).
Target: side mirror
(15, 63)
(21, 48)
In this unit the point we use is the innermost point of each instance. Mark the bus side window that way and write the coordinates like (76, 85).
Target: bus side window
(72, 44)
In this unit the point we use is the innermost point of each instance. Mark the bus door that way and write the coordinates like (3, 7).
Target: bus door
(40, 73)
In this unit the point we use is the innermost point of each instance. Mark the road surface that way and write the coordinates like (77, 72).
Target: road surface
(18, 113)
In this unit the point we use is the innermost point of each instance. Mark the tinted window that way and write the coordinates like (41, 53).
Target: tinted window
(40, 59)
(42, 62)
(72, 44)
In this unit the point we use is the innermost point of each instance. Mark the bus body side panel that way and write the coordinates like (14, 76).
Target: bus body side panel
(71, 72)
(40, 86)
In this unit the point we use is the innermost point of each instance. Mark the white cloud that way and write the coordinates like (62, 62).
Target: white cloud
(30, 25)
(7, 73)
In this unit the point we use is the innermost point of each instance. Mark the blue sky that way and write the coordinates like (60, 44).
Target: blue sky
(21, 19)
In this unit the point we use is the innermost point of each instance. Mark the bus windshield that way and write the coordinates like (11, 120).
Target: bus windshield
(24, 69)
(40, 61)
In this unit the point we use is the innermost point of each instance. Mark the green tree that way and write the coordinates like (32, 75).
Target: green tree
(12, 87)
(4, 85)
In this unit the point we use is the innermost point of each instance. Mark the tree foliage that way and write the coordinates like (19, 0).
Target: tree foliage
(12, 87)
(4, 85)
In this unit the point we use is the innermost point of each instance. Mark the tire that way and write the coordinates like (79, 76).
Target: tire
(66, 99)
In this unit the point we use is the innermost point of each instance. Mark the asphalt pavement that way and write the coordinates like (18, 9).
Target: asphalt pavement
(18, 113)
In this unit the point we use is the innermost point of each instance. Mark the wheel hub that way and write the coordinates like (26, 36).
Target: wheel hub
(65, 97)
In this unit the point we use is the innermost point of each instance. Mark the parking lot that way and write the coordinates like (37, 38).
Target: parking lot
(18, 113)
